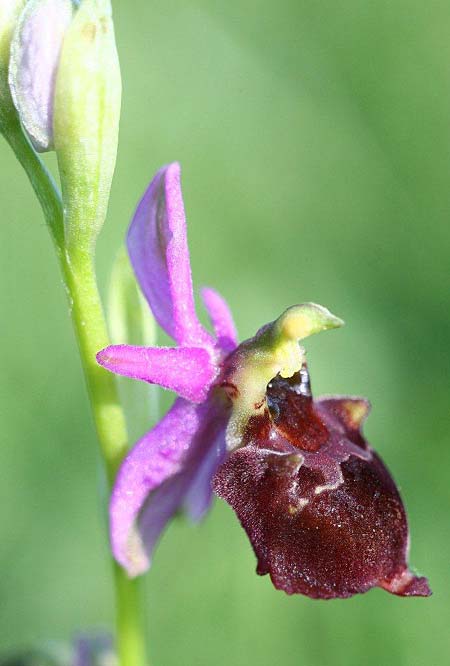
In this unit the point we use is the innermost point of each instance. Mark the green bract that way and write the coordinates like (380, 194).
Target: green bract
(86, 121)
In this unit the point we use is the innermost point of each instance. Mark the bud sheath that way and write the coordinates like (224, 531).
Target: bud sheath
(86, 121)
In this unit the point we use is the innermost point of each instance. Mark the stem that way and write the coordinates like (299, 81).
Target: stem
(89, 324)
(40, 179)
(131, 648)
(91, 334)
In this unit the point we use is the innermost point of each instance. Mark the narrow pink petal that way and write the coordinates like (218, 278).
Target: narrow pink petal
(188, 371)
(157, 457)
(159, 253)
(221, 318)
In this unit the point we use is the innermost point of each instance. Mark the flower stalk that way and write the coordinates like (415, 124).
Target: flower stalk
(90, 330)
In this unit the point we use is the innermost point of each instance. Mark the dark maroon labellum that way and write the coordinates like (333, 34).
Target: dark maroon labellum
(321, 510)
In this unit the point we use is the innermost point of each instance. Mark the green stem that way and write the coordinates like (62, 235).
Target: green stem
(131, 648)
(92, 335)
(40, 179)
(89, 324)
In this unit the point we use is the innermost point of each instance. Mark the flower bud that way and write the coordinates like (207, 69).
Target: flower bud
(35, 52)
(86, 120)
(95, 650)
(9, 12)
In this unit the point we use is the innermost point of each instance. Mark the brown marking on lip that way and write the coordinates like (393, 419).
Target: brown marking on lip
(231, 389)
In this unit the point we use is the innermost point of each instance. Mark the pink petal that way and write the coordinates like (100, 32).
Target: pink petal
(159, 253)
(188, 371)
(205, 460)
(35, 51)
(170, 466)
(192, 485)
(221, 318)
(155, 458)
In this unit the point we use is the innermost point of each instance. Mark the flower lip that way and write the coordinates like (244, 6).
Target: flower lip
(325, 519)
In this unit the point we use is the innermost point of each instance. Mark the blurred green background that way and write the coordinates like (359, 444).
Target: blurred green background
(315, 144)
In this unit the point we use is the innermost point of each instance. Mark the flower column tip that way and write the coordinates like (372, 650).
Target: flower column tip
(301, 321)
(274, 350)
(295, 324)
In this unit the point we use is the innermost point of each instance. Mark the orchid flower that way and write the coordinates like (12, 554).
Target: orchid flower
(321, 510)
